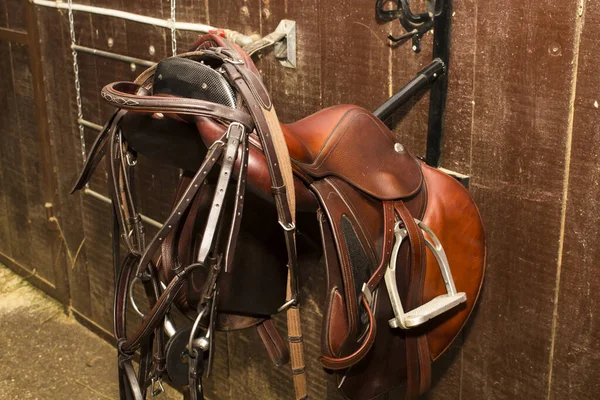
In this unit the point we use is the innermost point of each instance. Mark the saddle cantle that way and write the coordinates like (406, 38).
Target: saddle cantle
(393, 232)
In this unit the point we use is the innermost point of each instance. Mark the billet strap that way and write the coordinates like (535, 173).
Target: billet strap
(418, 359)
(388, 243)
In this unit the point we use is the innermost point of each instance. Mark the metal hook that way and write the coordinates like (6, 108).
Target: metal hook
(416, 25)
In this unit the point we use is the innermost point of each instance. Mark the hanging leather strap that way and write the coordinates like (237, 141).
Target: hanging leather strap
(418, 359)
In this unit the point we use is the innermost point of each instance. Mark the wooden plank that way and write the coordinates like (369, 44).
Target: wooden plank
(192, 11)
(15, 15)
(12, 35)
(62, 117)
(32, 166)
(13, 161)
(456, 150)
(97, 223)
(522, 96)
(354, 63)
(3, 14)
(243, 16)
(5, 217)
(296, 92)
(576, 363)
(45, 177)
(456, 155)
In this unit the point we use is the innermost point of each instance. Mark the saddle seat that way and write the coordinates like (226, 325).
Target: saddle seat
(349, 142)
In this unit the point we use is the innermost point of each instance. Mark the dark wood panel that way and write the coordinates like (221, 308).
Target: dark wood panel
(507, 112)
(6, 104)
(97, 224)
(13, 161)
(240, 16)
(3, 14)
(5, 244)
(296, 92)
(15, 14)
(32, 183)
(67, 157)
(576, 362)
(354, 63)
(456, 151)
(522, 93)
(193, 11)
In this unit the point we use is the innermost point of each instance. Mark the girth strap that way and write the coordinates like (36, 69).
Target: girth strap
(418, 360)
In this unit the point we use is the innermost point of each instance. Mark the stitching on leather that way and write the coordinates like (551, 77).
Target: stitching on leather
(341, 256)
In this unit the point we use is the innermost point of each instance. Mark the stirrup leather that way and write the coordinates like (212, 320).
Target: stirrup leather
(433, 308)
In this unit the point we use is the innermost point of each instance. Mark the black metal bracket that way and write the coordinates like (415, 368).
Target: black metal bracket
(434, 76)
(420, 82)
(439, 90)
(416, 25)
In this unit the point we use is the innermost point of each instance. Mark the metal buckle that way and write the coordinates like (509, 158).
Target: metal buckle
(234, 62)
(131, 159)
(367, 294)
(289, 227)
(157, 390)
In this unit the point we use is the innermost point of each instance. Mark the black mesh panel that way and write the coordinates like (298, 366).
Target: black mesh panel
(183, 77)
(361, 267)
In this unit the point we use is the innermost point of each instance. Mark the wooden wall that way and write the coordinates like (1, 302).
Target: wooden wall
(523, 121)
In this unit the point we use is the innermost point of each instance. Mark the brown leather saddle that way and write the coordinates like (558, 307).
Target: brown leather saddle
(259, 204)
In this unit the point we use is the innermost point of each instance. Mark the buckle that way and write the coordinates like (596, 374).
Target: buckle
(234, 62)
(157, 386)
(288, 227)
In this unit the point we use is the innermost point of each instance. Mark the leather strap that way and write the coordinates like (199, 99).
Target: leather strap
(386, 252)
(238, 207)
(278, 353)
(418, 368)
(282, 181)
(97, 151)
(124, 95)
(334, 363)
(211, 159)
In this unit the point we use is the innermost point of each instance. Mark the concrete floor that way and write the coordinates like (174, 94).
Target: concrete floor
(45, 354)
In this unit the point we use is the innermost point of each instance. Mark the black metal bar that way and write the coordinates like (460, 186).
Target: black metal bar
(439, 90)
(428, 75)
